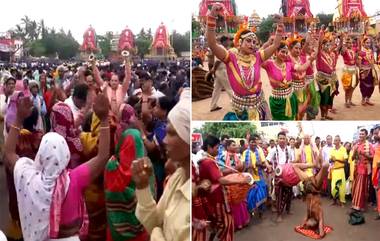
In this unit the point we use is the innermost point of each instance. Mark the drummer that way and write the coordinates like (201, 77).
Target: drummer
(255, 163)
(281, 154)
(230, 163)
(222, 224)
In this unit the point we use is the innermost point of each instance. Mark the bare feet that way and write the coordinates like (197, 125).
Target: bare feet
(364, 103)
(279, 219)
(352, 104)
(370, 103)
(334, 110)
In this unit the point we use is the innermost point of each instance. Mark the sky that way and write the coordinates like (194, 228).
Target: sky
(266, 7)
(345, 129)
(109, 15)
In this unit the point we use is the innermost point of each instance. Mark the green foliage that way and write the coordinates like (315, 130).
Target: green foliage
(234, 130)
(196, 28)
(180, 43)
(143, 42)
(325, 19)
(42, 41)
(37, 48)
(265, 29)
(104, 43)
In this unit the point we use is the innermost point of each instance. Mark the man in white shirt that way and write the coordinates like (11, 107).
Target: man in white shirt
(279, 155)
(77, 102)
(221, 79)
(326, 158)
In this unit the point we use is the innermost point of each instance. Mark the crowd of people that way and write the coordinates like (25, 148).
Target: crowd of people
(96, 151)
(282, 170)
(302, 70)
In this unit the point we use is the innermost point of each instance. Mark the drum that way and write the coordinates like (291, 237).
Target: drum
(237, 193)
(287, 174)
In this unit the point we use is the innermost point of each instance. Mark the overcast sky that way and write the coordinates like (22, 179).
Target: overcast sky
(266, 7)
(109, 15)
(345, 129)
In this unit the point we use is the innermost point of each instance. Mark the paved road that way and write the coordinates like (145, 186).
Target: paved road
(268, 230)
(201, 109)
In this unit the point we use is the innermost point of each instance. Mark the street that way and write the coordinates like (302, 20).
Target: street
(337, 217)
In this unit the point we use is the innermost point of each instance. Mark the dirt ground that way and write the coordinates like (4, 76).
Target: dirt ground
(268, 230)
(201, 109)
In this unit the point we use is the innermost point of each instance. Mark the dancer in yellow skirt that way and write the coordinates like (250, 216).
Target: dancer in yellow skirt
(350, 71)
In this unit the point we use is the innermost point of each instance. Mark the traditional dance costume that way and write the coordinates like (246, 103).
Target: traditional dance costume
(368, 75)
(248, 102)
(283, 102)
(239, 210)
(326, 77)
(257, 195)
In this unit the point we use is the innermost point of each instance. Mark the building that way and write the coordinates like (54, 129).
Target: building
(10, 49)
(230, 24)
(161, 48)
(297, 16)
(350, 17)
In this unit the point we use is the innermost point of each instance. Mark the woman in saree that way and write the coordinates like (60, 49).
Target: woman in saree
(230, 159)
(284, 101)
(367, 72)
(350, 77)
(313, 107)
(120, 190)
(326, 75)
(27, 146)
(95, 194)
(50, 196)
(62, 122)
(300, 87)
(243, 68)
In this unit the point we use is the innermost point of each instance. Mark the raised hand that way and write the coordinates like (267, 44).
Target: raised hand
(141, 171)
(101, 107)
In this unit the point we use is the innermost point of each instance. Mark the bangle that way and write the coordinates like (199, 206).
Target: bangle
(15, 127)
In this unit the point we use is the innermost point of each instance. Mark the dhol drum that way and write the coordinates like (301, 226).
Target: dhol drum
(287, 174)
(237, 193)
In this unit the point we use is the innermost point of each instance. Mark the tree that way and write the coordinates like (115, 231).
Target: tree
(234, 130)
(43, 29)
(105, 43)
(180, 43)
(196, 28)
(266, 27)
(39, 40)
(143, 42)
(324, 19)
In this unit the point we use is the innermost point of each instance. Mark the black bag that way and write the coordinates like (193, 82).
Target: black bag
(356, 218)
